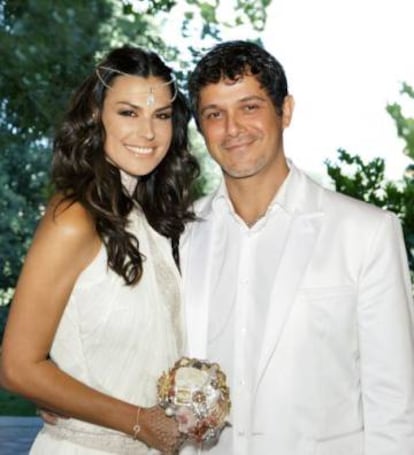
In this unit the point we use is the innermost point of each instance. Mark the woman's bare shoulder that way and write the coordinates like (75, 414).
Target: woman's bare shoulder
(69, 218)
(68, 228)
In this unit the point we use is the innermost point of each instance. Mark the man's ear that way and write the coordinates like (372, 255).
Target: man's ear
(288, 106)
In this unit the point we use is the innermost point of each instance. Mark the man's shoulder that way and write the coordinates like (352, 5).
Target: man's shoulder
(203, 205)
(202, 208)
(336, 206)
(342, 203)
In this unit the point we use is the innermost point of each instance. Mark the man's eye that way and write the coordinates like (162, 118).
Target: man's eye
(212, 115)
(251, 107)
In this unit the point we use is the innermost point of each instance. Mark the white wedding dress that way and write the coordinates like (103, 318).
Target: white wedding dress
(117, 339)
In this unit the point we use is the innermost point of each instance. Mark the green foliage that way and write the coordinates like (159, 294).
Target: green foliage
(210, 172)
(255, 12)
(47, 48)
(405, 126)
(14, 405)
(366, 180)
(23, 186)
(244, 11)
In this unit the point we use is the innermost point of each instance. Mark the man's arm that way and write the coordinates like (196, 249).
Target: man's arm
(385, 324)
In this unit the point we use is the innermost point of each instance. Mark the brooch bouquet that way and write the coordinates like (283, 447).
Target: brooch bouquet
(196, 394)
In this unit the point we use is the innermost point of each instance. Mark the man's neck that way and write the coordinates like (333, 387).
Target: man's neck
(252, 196)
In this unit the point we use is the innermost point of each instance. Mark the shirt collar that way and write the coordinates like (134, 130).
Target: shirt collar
(281, 199)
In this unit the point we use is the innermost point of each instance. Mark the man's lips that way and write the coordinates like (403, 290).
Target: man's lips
(232, 145)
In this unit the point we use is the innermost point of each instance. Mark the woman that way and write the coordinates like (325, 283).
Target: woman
(99, 291)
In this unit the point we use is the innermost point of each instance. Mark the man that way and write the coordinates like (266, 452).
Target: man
(302, 295)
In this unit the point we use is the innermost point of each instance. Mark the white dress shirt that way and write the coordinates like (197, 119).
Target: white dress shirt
(239, 304)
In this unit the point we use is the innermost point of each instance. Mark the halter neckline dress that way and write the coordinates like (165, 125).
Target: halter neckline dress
(117, 339)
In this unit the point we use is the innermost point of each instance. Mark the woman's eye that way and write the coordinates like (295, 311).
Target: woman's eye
(127, 113)
(164, 115)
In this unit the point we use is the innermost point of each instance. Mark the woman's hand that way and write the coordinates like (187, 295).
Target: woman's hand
(159, 431)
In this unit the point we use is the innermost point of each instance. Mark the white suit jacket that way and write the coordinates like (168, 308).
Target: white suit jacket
(336, 369)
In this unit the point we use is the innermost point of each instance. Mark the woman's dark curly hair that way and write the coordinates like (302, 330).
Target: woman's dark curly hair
(81, 172)
(232, 59)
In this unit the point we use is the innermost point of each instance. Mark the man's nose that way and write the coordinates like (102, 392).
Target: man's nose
(233, 124)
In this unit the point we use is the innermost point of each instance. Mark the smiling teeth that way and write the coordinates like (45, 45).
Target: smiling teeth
(140, 150)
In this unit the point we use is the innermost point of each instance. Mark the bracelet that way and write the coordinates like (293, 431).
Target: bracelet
(137, 427)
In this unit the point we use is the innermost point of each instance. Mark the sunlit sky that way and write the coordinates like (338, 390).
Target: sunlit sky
(345, 61)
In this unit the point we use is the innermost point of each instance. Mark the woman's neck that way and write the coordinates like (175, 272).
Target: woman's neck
(129, 182)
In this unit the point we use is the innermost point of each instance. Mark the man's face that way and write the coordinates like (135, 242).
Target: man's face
(241, 128)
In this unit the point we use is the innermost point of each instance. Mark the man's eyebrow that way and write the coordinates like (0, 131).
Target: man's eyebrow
(241, 100)
(252, 98)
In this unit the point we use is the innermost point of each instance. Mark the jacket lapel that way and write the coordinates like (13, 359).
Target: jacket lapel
(303, 202)
(199, 272)
(302, 236)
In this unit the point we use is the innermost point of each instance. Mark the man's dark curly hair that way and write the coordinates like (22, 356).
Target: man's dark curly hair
(232, 59)
(81, 172)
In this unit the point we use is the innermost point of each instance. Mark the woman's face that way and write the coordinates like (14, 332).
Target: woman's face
(137, 117)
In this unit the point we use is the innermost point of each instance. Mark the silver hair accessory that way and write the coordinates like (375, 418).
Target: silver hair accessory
(150, 96)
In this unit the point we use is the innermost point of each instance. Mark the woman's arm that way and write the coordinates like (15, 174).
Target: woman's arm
(64, 244)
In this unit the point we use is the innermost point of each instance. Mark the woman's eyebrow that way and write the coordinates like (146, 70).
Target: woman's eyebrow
(136, 106)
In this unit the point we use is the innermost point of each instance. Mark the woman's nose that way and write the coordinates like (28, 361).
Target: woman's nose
(148, 129)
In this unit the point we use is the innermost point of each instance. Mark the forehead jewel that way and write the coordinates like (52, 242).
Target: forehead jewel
(150, 92)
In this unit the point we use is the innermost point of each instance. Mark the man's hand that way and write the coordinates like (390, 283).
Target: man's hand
(50, 417)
